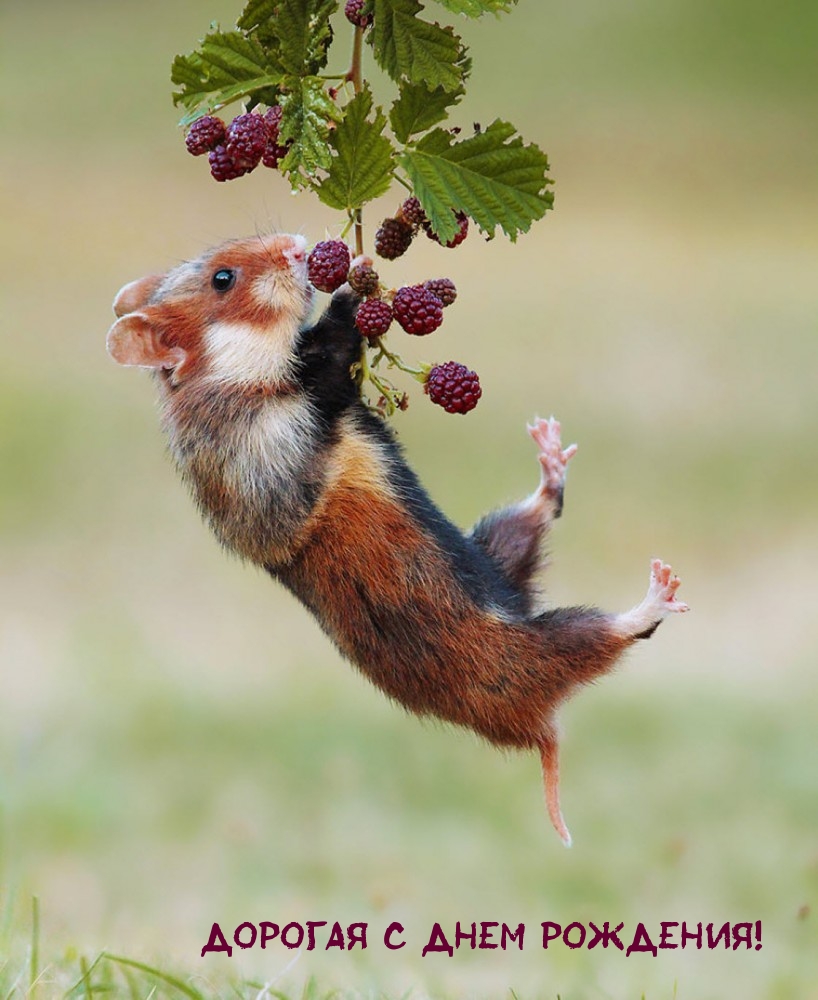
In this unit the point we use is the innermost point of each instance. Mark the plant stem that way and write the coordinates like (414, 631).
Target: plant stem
(355, 75)
(394, 361)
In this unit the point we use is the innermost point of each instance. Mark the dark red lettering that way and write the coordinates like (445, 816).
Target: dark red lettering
(507, 934)
(217, 942)
(459, 935)
(393, 928)
(566, 935)
(269, 932)
(299, 931)
(605, 936)
(253, 933)
(664, 938)
(336, 937)
(356, 934)
(641, 942)
(724, 932)
(690, 936)
(438, 942)
(485, 933)
(741, 935)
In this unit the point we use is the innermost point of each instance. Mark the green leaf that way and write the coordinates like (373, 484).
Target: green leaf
(297, 31)
(228, 66)
(362, 167)
(491, 176)
(256, 14)
(409, 48)
(307, 114)
(418, 108)
(476, 8)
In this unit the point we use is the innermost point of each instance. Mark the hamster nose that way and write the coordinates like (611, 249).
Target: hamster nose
(298, 248)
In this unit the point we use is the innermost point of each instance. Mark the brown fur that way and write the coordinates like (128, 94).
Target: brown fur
(291, 473)
(388, 597)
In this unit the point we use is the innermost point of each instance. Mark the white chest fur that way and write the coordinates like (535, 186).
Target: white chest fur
(270, 449)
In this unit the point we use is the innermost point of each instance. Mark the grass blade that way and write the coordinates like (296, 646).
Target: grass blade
(177, 984)
(34, 970)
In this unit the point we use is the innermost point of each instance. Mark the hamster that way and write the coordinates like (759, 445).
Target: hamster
(293, 473)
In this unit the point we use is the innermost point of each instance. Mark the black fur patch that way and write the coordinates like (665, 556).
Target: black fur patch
(481, 577)
(325, 353)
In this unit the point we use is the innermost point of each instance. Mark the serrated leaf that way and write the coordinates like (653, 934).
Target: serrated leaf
(307, 114)
(418, 108)
(476, 8)
(362, 167)
(408, 48)
(492, 176)
(256, 13)
(226, 67)
(297, 31)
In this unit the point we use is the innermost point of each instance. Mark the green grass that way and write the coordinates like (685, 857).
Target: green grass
(74, 977)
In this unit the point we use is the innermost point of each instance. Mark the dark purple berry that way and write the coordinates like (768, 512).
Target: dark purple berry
(222, 165)
(417, 310)
(363, 279)
(443, 288)
(205, 134)
(274, 152)
(459, 236)
(328, 265)
(452, 386)
(356, 13)
(374, 317)
(393, 238)
(272, 119)
(247, 137)
(411, 211)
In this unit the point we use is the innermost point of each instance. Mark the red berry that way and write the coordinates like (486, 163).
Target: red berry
(393, 238)
(459, 236)
(222, 165)
(328, 265)
(273, 154)
(274, 151)
(417, 310)
(356, 13)
(412, 212)
(272, 119)
(205, 134)
(374, 317)
(443, 288)
(454, 387)
(247, 137)
(363, 279)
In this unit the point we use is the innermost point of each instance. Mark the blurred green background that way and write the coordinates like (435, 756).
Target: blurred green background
(178, 742)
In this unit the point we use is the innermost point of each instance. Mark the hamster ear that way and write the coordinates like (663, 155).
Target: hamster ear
(135, 294)
(133, 340)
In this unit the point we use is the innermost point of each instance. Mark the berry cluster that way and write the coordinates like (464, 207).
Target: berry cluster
(238, 148)
(418, 309)
(395, 234)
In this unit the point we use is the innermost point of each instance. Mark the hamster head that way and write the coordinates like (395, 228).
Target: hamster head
(231, 316)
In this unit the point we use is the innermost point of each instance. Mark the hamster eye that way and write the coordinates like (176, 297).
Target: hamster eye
(224, 279)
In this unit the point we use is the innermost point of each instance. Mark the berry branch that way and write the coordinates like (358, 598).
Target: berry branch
(354, 11)
(348, 151)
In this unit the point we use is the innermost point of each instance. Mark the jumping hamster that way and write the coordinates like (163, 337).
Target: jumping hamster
(294, 473)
